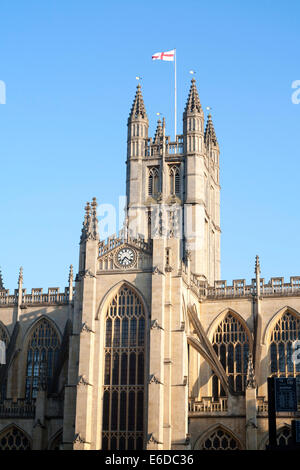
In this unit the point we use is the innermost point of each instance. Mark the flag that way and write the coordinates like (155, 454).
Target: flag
(169, 55)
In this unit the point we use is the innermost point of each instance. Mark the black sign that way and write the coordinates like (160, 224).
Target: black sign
(285, 394)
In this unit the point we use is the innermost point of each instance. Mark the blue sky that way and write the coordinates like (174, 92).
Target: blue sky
(69, 68)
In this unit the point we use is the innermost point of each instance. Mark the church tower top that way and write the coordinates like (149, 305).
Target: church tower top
(209, 134)
(193, 104)
(138, 109)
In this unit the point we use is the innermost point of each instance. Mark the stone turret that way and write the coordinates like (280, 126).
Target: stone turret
(138, 126)
(1, 282)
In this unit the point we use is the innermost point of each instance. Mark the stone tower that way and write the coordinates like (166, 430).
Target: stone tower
(173, 187)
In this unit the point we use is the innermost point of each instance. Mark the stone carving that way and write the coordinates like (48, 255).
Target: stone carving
(83, 381)
(153, 379)
(156, 325)
(250, 380)
(87, 273)
(85, 327)
(78, 439)
(156, 270)
(152, 439)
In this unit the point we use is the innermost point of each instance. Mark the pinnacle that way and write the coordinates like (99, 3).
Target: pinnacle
(209, 134)
(193, 104)
(138, 108)
(1, 281)
(158, 133)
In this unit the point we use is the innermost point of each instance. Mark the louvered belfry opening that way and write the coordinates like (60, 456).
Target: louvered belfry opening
(124, 373)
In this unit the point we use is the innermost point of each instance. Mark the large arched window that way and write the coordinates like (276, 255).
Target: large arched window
(14, 439)
(219, 439)
(42, 352)
(174, 180)
(3, 385)
(153, 181)
(284, 333)
(231, 344)
(124, 372)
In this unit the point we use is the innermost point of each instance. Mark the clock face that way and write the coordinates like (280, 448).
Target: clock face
(125, 257)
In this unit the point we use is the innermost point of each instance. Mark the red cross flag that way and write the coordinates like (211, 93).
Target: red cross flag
(169, 55)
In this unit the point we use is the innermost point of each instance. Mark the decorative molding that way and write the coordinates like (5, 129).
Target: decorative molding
(153, 379)
(155, 325)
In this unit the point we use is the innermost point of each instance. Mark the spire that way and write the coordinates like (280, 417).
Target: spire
(138, 108)
(86, 222)
(193, 104)
(20, 280)
(210, 135)
(250, 379)
(158, 133)
(71, 279)
(257, 265)
(1, 282)
(90, 223)
(94, 221)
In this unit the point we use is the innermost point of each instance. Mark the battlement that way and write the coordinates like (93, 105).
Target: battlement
(123, 237)
(37, 296)
(153, 149)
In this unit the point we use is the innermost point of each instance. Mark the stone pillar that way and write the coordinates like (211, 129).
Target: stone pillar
(39, 421)
(155, 438)
(251, 413)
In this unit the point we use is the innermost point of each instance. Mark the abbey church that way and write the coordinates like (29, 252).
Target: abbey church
(147, 348)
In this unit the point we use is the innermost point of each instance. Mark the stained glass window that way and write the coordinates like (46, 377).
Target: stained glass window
(124, 373)
(231, 344)
(284, 333)
(42, 352)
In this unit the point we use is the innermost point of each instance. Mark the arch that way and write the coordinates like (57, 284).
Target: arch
(218, 432)
(12, 437)
(112, 292)
(272, 322)
(232, 342)
(124, 381)
(283, 435)
(41, 355)
(174, 174)
(153, 177)
(55, 440)
(283, 330)
(215, 323)
(4, 335)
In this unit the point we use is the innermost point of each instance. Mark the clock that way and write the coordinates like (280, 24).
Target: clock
(125, 257)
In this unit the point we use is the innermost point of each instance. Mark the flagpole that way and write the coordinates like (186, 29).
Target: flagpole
(175, 93)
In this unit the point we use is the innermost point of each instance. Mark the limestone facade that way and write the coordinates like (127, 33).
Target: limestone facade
(147, 347)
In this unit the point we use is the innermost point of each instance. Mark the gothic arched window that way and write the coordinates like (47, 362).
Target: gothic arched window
(284, 333)
(124, 372)
(231, 344)
(14, 439)
(153, 181)
(175, 180)
(283, 437)
(220, 440)
(5, 339)
(42, 352)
